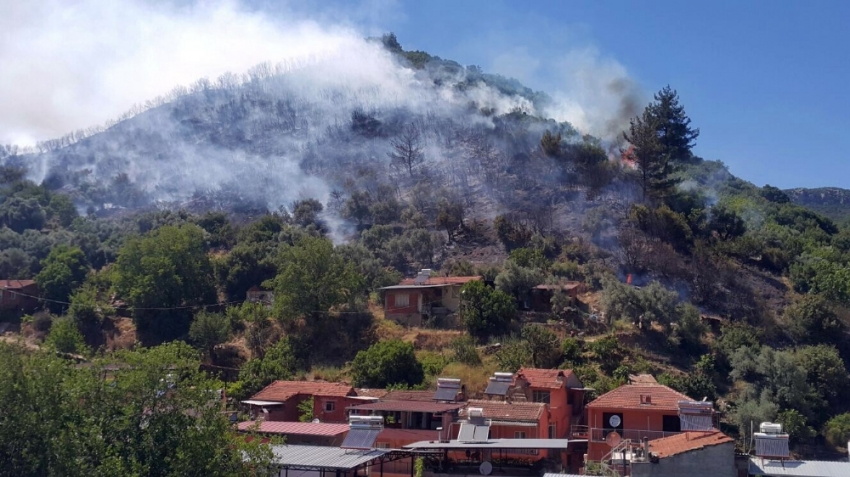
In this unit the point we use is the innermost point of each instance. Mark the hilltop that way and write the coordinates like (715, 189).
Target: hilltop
(833, 202)
(325, 181)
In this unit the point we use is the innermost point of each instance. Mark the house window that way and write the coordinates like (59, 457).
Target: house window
(402, 299)
(671, 424)
(330, 406)
(552, 431)
(519, 435)
(540, 396)
(382, 445)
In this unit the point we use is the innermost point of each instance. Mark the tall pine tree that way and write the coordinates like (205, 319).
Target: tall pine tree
(661, 140)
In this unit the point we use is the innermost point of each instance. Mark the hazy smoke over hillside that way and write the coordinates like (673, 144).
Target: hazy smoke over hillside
(287, 107)
(74, 64)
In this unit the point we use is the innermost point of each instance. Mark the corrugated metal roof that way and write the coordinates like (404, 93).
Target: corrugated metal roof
(798, 468)
(322, 458)
(493, 444)
(562, 475)
(295, 428)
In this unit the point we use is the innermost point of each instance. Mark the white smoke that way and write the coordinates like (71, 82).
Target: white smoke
(596, 94)
(74, 64)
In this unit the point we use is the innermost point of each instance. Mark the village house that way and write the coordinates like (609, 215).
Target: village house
(424, 299)
(19, 295)
(279, 400)
(540, 297)
(256, 294)
(411, 416)
(646, 410)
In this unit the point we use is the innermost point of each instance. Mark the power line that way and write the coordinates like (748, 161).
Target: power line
(185, 307)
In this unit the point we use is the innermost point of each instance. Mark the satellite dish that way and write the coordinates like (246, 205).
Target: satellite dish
(485, 468)
(615, 421)
(316, 421)
(613, 439)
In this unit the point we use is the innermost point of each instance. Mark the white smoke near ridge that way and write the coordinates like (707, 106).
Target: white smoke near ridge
(73, 64)
(83, 63)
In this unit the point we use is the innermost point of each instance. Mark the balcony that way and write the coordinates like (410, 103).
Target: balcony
(634, 435)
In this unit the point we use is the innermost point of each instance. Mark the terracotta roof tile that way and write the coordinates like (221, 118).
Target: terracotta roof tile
(441, 281)
(545, 378)
(687, 441)
(296, 428)
(508, 411)
(628, 396)
(284, 390)
(16, 284)
(374, 393)
(407, 406)
(423, 396)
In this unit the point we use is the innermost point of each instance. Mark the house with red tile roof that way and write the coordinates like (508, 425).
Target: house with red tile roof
(415, 301)
(560, 389)
(634, 411)
(19, 295)
(279, 400)
(710, 453)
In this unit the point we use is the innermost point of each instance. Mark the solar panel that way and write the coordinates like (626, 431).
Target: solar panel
(445, 394)
(482, 433)
(497, 388)
(691, 422)
(360, 438)
(466, 433)
(772, 446)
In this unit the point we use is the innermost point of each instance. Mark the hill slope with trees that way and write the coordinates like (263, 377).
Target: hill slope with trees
(721, 288)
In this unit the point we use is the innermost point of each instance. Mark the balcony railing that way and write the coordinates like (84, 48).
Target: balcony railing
(635, 435)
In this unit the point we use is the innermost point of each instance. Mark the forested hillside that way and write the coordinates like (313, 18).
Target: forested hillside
(324, 191)
(830, 201)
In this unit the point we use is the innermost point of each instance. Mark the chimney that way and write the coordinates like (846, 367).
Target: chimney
(646, 399)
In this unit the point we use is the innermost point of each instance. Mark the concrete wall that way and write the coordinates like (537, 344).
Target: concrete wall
(451, 297)
(713, 461)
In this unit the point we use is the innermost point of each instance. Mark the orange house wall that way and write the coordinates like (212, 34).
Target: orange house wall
(633, 419)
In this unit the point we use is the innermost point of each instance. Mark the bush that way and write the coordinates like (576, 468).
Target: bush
(387, 363)
(811, 320)
(485, 312)
(433, 363)
(513, 355)
(65, 337)
(837, 430)
(544, 346)
(571, 349)
(465, 352)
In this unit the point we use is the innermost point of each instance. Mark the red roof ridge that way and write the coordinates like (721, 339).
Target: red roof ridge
(628, 396)
(282, 390)
(508, 411)
(686, 442)
(16, 283)
(545, 378)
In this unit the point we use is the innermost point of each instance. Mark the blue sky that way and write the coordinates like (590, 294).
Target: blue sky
(766, 82)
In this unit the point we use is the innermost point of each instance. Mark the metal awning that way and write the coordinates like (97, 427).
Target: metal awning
(798, 468)
(261, 403)
(505, 422)
(321, 457)
(493, 444)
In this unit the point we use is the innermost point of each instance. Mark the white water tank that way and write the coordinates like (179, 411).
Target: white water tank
(770, 428)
